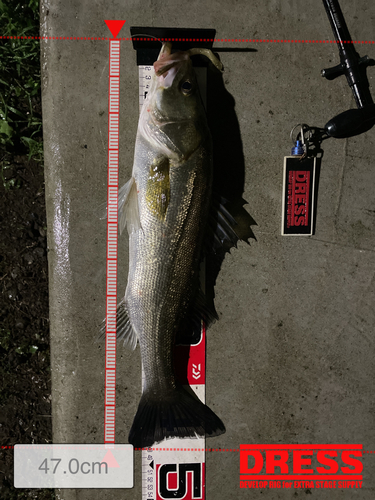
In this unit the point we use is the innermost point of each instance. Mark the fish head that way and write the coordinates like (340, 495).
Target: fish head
(173, 117)
(176, 96)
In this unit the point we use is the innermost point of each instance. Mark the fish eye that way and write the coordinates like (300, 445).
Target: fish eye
(186, 87)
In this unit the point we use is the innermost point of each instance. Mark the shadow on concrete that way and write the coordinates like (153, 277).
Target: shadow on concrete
(228, 188)
(229, 163)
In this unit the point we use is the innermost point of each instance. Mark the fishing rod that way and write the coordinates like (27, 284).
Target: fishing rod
(301, 169)
(353, 121)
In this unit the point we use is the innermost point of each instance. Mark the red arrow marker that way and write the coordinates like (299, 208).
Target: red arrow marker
(114, 27)
(110, 460)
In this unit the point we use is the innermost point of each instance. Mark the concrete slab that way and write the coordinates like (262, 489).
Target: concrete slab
(291, 359)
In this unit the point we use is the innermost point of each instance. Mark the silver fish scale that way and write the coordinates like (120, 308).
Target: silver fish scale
(164, 260)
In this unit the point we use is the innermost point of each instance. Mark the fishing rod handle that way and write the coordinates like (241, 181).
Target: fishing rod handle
(351, 122)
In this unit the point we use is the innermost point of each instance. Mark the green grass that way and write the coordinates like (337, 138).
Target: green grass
(20, 135)
(20, 84)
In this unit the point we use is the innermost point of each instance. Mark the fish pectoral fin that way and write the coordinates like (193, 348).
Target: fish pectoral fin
(158, 187)
(124, 328)
(128, 210)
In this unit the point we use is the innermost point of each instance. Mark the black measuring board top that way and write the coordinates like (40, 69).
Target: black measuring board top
(181, 39)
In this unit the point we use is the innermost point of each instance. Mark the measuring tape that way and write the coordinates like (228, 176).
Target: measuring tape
(175, 468)
(112, 202)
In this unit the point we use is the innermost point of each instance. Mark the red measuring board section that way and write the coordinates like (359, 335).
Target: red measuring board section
(182, 480)
(190, 361)
(112, 204)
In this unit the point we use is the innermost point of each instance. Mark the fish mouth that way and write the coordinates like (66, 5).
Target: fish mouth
(167, 65)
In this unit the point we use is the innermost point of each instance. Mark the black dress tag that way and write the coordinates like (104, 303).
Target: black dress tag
(298, 196)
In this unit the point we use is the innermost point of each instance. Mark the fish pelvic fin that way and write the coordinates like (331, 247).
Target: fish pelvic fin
(124, 329)
(128, 210)
(179, 414)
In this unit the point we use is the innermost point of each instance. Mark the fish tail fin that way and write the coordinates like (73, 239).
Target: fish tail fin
(180, 414)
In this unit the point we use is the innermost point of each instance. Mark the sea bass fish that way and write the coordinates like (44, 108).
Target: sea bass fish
(165, 206)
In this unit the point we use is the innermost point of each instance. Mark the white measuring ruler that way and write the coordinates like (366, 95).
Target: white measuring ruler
(112, 203)
(146, 73)
(175, 468)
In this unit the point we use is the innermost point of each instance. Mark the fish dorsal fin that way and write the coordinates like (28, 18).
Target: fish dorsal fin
(227, 226)
(228, 223)
(158, 187)
(128, 211)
